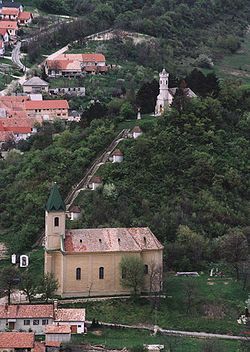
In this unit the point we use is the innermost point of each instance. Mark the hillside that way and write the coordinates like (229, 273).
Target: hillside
(184, 29)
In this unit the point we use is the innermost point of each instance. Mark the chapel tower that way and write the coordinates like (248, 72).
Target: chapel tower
(164, 98)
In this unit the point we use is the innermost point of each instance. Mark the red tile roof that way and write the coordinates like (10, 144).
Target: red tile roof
(16, 125)
(9, 11)
(17, 339)
(25, 15)
(70, 314)
(9, 25)
(26, 311)
(74, 209)
(57, 329)
(110, 240)
(82, 57)
(46, 104)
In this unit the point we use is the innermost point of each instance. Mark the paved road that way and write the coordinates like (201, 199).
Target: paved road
(16, 53)
(180, 333)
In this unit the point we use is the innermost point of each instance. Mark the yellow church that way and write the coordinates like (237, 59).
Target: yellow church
(86, 262)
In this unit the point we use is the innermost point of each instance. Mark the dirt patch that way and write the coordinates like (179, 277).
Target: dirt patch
(210, 283)
(214, 311)
(97, 332)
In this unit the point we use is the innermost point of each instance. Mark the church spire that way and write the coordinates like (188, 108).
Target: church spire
(55, 201)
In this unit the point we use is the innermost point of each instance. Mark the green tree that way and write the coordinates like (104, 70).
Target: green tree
(28, 285)
(132, 269)
(49, 284)
(9, 280)
(127, 111)
(234, 249)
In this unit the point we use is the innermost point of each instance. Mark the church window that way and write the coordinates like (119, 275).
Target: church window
(56, 221)
(80, 241)
(101, 273)
(123, 273)
(100, 241)
(145, 269)
(145, 240)
(119, 240)
(78, 273)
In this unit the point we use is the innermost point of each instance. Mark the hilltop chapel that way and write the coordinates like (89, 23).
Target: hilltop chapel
(166, 94)
(86, 262)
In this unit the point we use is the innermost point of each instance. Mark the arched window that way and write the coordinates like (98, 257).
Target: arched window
(56, 221)
(78, 273)
(101, 272)
(145, 269)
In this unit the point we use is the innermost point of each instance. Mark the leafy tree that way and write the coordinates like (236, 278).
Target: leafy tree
(48, 286)
(146, 96)
(9, 279)
(132, 270)
(127, 111)
(28, 285)
(234, 248)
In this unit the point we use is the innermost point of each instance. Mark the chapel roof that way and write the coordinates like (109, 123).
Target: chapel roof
(55, 201)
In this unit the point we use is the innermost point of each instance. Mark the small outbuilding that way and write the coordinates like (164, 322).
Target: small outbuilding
(74, 212)
(57, 333)
(136, 132)
(35, 85)
(95, 182)
(117, 156)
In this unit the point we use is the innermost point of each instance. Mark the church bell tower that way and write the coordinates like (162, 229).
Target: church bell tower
(55, 215)
(164, 98)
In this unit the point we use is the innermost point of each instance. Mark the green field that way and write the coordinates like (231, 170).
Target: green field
(134, 338)
(236, 66)
(216, 306)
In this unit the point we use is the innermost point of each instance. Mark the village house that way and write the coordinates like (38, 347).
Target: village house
(116, 156)
(11, 27)
(20, 342)
(86, 262)
(166, 94)
(9, 14)
(35, 85)
(28, 317)
(74, 212)
(20, 128)
(24, 18)
(48, 110)
(11, 4)
(71, 65)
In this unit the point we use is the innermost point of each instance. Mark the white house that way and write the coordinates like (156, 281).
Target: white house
(72, 317)
(4, 35)
(117, 156)
(29, 317)
(35, 85)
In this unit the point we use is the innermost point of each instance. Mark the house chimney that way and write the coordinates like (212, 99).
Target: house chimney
(55, 304)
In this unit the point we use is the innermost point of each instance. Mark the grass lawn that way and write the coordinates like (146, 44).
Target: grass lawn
(121, 338)
(236, 65)
(216, 307)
